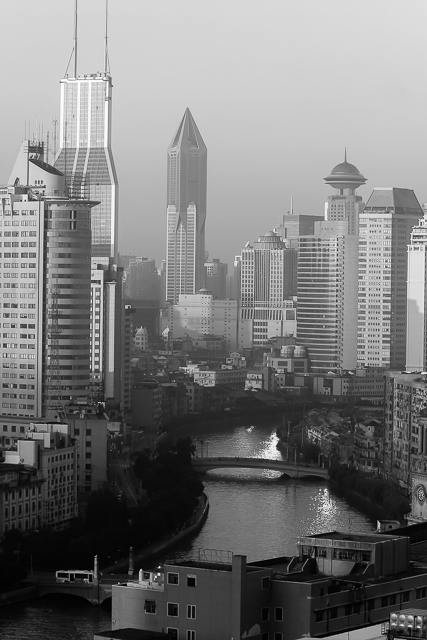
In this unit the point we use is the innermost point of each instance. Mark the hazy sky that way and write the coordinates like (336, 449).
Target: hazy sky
(277, 88)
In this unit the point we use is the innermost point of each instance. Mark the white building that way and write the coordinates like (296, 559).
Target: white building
(85, 155)
(385, 228)
(327, 297)
(416, 309)
(200, 314)
(140, 339)
(267, 284)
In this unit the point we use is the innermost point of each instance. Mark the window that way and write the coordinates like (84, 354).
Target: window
(319, 616)
(173, 578)
(264, 636)
(278, 614)
(392, 600)
(265, 583)
(421, 593)
(150, 606)
(334, 612)
(173, 609)
(191, 581)
(384, 601)
(278, 636)
(265, 614)
(405, 596)
(191, 635)
(191, 611)
(173, 633)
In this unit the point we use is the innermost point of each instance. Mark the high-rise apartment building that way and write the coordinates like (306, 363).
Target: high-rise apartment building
(268, 282)
(416, 301)
(216, 277)
(85, 155)
(186, 210)
(45, 299)
(327, 297)
(385, 227)
(345, 205)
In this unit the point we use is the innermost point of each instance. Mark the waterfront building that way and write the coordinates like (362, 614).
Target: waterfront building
(405, 434)
(385, 227)
(20, 497)
(327, 297)
(416, 302)
(335, 582)
(267, 287)
(49, 449)
(45, 304)
(186, 211)
(85, 156)
(345, 205)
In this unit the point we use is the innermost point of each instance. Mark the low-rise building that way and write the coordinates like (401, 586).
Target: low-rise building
(334, 583)
(20, 497)
(233, 378)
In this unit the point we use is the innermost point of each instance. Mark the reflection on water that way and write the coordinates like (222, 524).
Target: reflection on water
(253, 512)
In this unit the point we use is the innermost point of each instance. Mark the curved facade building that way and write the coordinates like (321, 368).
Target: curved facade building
(45, 279)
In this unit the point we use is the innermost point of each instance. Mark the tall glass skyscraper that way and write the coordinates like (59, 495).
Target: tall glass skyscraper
(85, 156)
(186, 210)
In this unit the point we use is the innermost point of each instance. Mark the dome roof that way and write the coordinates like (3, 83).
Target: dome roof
(345, 176)
(345, 168)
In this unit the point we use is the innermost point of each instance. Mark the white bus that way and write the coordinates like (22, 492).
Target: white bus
(75, 575)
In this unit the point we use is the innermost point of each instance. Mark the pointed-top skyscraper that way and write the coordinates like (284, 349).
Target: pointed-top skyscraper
(186, 210)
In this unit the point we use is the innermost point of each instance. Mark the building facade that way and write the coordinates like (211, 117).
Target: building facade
(45, 272)
(416, 301)
(85, 155)
(186, 211)
(385, 227)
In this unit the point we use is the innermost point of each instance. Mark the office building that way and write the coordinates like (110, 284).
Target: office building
(142, 280)
(267, 285)
(186, 211)
(416, 301)
(85, 156)
(327, 297)
(45, 273)
(293, 225)
(345, 205)
(385, 227)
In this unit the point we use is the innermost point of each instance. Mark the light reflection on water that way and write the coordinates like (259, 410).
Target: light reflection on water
(252, 511)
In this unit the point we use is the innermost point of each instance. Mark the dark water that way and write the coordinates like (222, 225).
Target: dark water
(252, 512)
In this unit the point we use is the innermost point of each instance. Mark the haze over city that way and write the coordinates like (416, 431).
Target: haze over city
(277, 89)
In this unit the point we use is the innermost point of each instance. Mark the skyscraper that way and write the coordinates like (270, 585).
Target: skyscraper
(45, 300)
(186, 210)
(85, 155)
(385, 227)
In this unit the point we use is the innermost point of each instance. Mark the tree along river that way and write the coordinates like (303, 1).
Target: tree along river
(252, 512)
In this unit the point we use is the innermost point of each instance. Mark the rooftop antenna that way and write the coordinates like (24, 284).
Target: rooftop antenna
(345, 154)
(292, 206)
(75, 39)
(106, 65)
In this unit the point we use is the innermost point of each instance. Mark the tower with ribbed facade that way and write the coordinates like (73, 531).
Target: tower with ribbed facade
(186, 210)
(85, 156)
(345, 204)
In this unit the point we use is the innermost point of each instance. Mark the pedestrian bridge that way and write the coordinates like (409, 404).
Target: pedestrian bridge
(203, 465)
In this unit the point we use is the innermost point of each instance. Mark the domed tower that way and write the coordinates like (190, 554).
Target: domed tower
(345, 205)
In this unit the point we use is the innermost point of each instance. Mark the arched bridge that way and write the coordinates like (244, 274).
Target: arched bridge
(202, 465)
(94, 593)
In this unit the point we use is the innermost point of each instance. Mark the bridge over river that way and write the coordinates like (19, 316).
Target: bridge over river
(45, 584)
(202, 465)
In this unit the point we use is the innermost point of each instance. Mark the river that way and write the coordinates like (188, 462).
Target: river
(252, 512)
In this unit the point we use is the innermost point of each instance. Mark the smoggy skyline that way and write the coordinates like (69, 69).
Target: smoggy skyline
(277, 89)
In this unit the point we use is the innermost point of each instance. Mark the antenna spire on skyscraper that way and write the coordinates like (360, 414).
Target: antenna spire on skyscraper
(75, 39)
(106, 61)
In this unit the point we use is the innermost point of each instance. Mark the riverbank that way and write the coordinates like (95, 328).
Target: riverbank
(168, 542)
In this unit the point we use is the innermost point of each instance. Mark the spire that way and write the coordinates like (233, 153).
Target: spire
(345, 154)
(188, 135)
(106, 61)
(75, 39)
